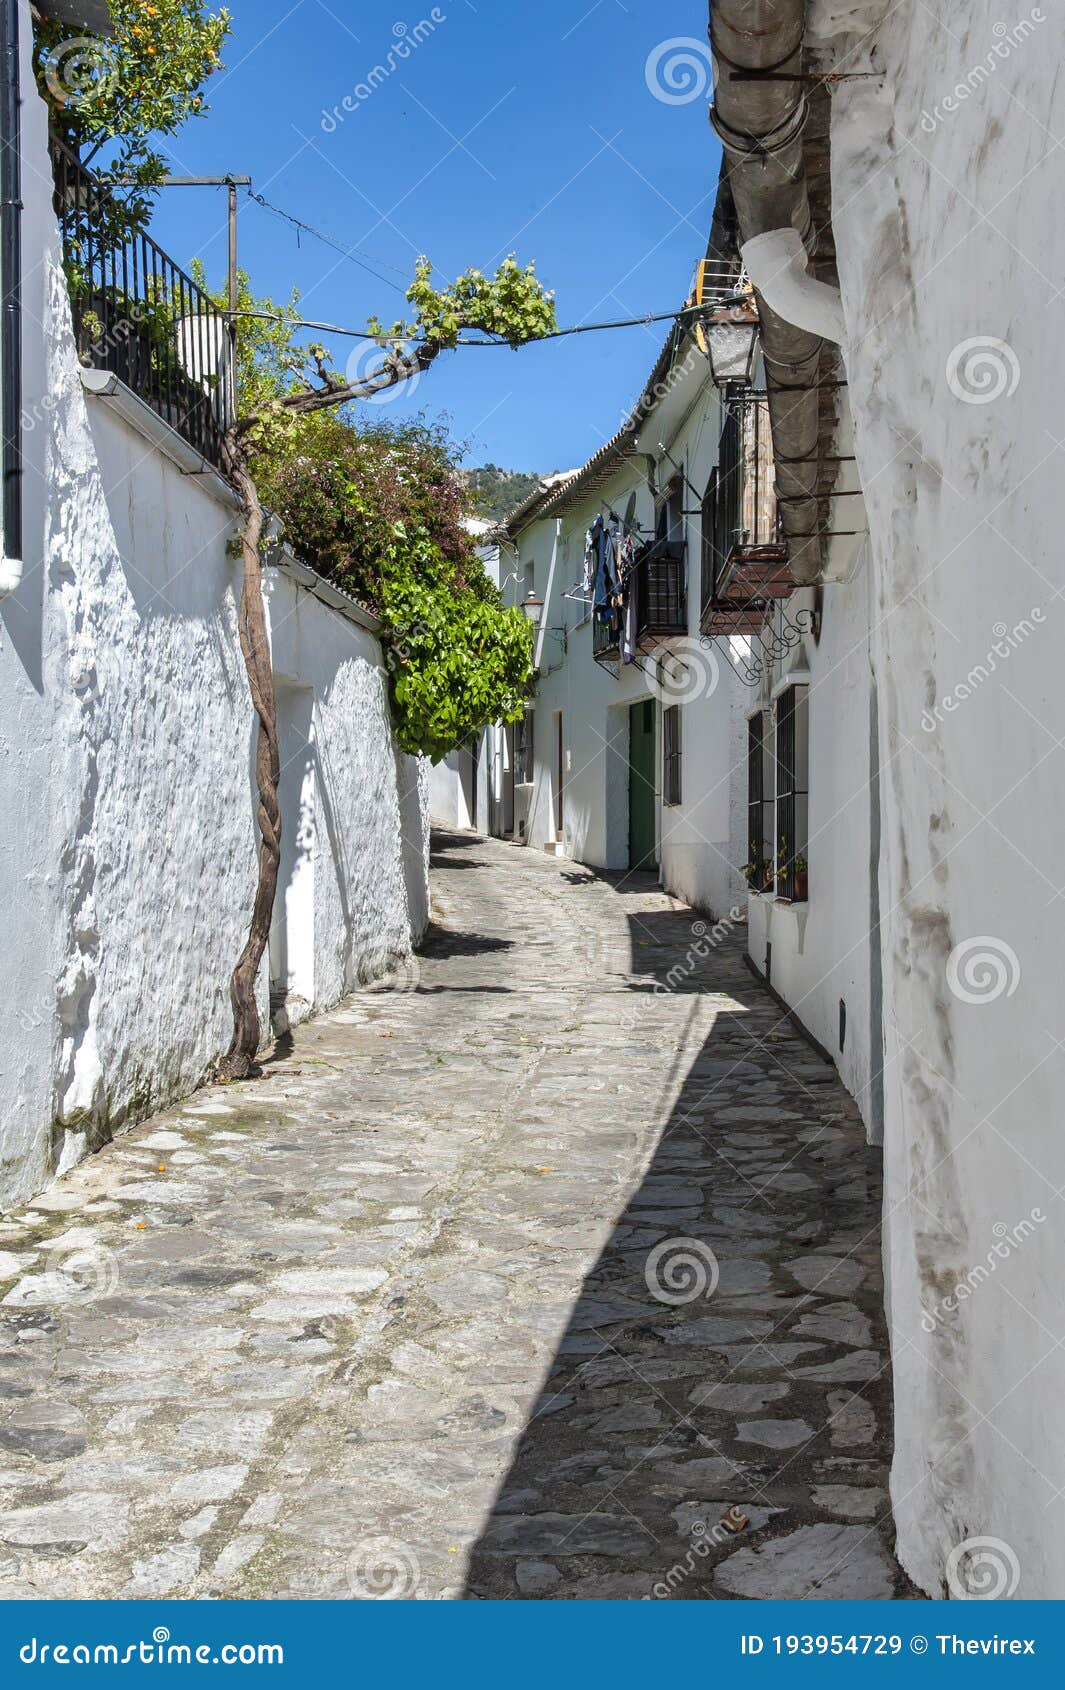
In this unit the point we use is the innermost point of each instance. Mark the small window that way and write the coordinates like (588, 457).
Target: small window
(524, 749)
(671, 754)
(793, 754)
(759, 870)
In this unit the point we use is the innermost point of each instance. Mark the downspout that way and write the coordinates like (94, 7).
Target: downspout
(11, 281)
(760, 123)
(778, 266)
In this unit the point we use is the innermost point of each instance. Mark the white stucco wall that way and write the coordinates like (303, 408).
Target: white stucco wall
(451, 796)
(946, 237)
(823, 950)
(126, 792)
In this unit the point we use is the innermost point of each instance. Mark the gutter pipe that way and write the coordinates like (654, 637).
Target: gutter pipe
(760, 123)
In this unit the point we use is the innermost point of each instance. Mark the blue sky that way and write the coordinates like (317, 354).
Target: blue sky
(507, 127)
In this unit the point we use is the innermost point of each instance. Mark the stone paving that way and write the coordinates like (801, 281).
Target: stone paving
(513, 1277)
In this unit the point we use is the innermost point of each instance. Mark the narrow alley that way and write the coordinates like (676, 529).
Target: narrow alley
(513, 1277)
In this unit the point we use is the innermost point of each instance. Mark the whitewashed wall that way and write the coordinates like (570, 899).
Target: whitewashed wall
(452, 801)
(823, 953)
(946, 237)
(126, 795)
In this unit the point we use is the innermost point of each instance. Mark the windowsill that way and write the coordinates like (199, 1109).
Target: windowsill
(779, 899)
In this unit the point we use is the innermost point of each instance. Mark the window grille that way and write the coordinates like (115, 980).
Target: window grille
(671, 753)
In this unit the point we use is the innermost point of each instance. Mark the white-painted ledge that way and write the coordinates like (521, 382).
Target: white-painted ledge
(107, 387)
(112, 391)
(286, 563)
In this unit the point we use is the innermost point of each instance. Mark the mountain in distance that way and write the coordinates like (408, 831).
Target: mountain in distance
(496, 491)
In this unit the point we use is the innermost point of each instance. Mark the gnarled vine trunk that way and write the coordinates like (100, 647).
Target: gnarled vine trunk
(240, 1060)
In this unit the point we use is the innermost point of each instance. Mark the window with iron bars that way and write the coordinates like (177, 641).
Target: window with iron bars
(671, 755)
(759, 805)
(792, 746)
(524, 749)
(708, 527)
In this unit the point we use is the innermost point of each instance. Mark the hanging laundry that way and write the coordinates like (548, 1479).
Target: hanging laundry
(607, 583)
(591, 556)
(630, 625)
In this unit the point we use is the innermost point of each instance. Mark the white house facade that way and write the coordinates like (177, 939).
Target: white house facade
(127, 806)
(632, 744)
(894, 225)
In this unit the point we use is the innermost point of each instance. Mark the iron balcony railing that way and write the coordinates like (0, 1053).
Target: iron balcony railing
(745, 518)
(660, 583)
(138, 315)
(745, 558)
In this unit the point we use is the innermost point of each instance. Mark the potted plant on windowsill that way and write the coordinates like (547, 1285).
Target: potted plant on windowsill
(758, 875)
(802, 880)
(795, 870)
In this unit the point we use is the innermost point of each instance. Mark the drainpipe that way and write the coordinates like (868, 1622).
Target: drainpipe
(760, 124)
(777, 264)
(11, 319)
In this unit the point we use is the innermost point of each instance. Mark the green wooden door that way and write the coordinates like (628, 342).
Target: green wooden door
(643, 851)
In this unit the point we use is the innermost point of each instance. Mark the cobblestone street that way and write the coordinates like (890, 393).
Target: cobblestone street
(396, 1319)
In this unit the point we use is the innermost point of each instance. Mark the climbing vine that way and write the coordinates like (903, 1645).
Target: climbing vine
(457, 658)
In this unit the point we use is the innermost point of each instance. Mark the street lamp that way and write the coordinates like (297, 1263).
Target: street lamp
(534, 610)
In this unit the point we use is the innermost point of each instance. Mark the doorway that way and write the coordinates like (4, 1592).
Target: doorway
(643, 829)
(560, 776)
(292, 929)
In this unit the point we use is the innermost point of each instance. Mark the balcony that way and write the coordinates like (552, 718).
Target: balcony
(745, 558)
(138, 315)
(660, 583)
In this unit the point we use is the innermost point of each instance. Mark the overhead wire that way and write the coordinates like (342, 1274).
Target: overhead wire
(554, 334)
(358, 257)
(350, 252)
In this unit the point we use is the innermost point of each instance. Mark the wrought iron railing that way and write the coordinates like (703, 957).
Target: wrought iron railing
(606, 637)
(741, 519)
(138, 315)
(660, 584)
